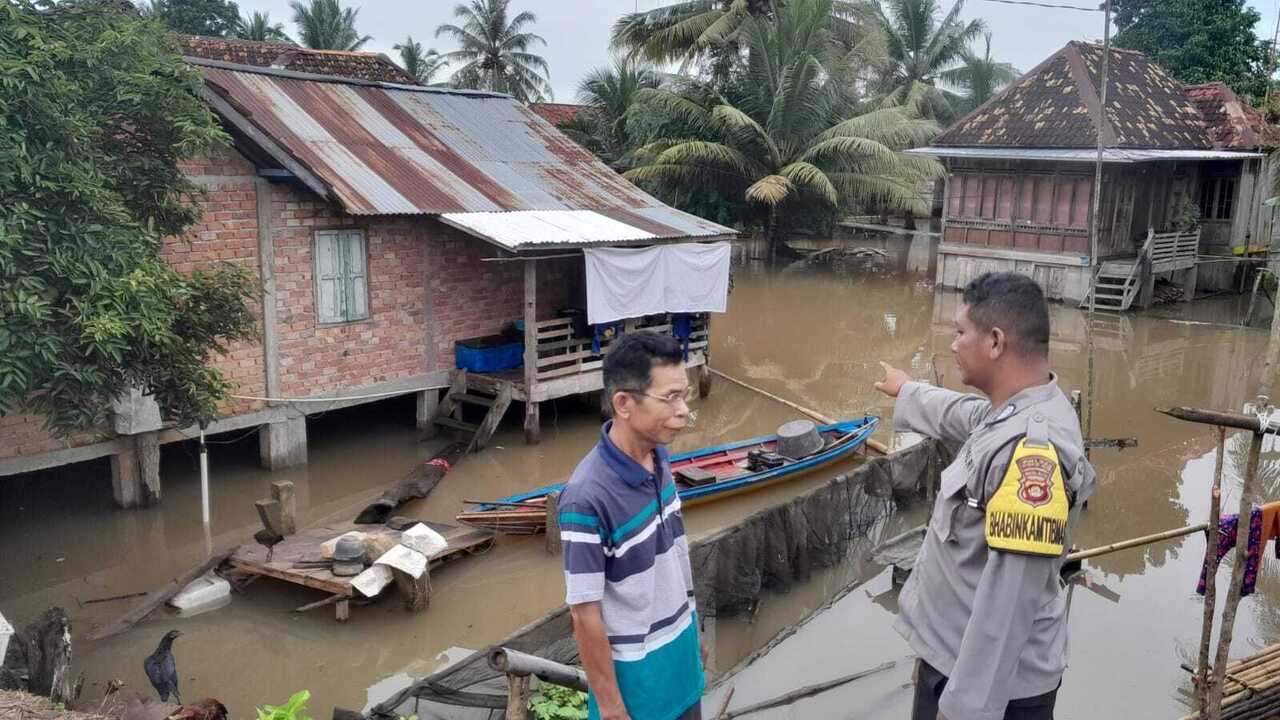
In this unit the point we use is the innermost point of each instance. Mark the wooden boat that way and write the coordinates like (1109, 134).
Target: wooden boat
(701, 476)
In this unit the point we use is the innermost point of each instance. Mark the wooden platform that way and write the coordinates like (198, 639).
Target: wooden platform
(304, 547)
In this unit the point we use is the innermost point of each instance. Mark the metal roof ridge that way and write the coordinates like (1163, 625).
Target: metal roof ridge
(338, 79)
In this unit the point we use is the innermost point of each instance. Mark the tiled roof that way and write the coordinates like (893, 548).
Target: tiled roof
(1232, 123)
(360, 65)
(557, 113)
(1055, 105)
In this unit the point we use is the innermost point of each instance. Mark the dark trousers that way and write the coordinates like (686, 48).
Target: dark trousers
(930, 683)
(693, 713)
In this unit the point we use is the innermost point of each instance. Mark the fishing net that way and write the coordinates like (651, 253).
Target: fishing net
(770, 550)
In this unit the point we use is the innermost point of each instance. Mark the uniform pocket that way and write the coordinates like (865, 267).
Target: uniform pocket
(949, 500)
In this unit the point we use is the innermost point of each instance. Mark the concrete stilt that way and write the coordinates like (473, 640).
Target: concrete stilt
(283, 444)
(135, 472)
(1191, 275)
(428, 401)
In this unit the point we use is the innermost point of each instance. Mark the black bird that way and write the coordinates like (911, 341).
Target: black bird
(268, 540)
(161, 669)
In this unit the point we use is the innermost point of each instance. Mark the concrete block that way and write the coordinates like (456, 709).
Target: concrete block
(136, 413)
(283, 444)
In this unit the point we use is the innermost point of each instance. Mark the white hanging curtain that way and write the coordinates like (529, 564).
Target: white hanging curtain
(628, 282)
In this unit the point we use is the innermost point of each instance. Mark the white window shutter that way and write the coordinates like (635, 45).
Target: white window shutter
(357, 291)
(329, 285)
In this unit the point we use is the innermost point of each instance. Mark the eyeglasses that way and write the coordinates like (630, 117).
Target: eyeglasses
(685, 396)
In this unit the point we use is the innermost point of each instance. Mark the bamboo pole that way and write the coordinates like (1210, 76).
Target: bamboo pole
(1211, 582)
(1237, 574)
(1135, 542)
(1239, 421)
(825, 420)
(807, 691)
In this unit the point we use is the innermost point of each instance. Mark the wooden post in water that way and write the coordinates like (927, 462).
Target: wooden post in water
(517, 695)
(1211, 583)
(1237, 577)
(553, 524)
(532, 423)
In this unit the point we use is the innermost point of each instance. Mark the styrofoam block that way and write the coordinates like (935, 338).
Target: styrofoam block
(6, 632)
(204, 591)
(425, 540)
(406, 559)
(373, 580)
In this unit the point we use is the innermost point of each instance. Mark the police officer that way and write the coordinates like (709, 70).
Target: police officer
(984, 608)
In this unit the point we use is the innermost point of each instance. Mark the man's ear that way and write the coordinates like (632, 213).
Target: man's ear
(999, 343)
(621, 403)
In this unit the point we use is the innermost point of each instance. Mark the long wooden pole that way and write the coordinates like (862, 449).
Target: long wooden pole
(807, 691)
(1237, 575)
(1210, 577)
(873, 444)
(1094, 210)
(1135, 542)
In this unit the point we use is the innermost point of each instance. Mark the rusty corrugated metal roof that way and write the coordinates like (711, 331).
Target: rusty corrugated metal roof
(386, 149)
(1056, 105)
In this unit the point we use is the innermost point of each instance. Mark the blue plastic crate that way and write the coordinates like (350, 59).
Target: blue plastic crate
(493, 353)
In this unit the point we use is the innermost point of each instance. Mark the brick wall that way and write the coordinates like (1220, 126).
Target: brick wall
(427, 288)
(227, 232)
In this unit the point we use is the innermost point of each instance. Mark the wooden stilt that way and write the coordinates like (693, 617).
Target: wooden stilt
(1211, 562)
(518, 689)
(532, 426)
(553, 524)
(415, 591)
(1237, 576)
(343, 611)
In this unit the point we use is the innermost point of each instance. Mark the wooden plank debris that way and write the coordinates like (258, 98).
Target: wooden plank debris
(162, 595)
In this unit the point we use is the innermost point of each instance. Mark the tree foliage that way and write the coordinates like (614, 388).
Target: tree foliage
(99, 108)
(494, 51)
(216, 18)
(1197, 41)
(258, 26)
(422, 64)
(326, 25)
(921, 43)
(792, 136)
(979, 77)
(609, 93)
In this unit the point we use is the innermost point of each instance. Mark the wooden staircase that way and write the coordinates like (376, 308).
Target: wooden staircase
(1115, 286)
(449, 414)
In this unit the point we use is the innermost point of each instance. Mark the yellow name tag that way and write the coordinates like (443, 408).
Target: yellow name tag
(1028, 513)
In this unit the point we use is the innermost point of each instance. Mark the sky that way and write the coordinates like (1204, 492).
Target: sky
(577, 31)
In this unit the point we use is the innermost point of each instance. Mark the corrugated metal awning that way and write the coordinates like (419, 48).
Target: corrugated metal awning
(527, 230)
(1109, 155)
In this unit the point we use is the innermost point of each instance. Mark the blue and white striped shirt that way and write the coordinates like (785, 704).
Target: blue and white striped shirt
(624, 546)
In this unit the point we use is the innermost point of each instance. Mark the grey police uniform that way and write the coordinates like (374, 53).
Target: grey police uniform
(994, 623)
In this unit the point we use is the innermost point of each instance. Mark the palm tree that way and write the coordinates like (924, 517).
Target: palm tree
(922, 44)
(707, 30)
(326, 25)
(980, 77)
(494, 52)
(422, 65)
(793, 139)
(608, 93)
(259, 27)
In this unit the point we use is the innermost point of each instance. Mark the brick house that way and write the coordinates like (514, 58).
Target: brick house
(1019, 189)
(355, 197)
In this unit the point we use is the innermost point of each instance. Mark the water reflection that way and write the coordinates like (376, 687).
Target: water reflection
(813, 337)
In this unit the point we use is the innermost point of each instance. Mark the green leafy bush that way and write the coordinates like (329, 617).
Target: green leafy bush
(555, 702)
(295, 709)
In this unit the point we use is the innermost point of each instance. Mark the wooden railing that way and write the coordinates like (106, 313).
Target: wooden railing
(560, 353)
(1173, 250)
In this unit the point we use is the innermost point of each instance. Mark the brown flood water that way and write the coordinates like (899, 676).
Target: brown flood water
(814, 337)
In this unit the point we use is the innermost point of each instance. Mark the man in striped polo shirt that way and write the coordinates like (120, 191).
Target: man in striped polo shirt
(626, 560)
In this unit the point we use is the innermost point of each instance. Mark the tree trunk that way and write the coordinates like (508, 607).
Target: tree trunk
(773, 231)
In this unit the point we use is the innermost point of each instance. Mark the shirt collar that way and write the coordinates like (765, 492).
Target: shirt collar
(1023, 399)
(623, 465)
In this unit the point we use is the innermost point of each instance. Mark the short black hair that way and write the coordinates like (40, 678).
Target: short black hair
(629, 361)
(1014, 303)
